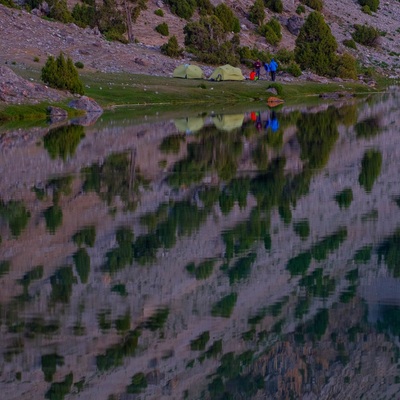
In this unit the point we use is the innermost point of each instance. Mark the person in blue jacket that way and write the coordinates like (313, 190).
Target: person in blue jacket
(272, 122)
(266, 67)
(273, 67)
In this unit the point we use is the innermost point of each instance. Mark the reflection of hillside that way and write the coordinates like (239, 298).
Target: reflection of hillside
(247, 282)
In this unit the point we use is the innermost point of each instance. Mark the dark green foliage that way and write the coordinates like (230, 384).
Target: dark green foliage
(84, 15)
(162, 29)
(138, 383)
(110, 21)
(228, 18)
(204, 269)
(53, 217)
(257, 12)
(242, 268)
(61, 285)
(346, 66)
(274, 5)
(317, 284)
(366, 10)
(82, 264)
(122, 255)
(62, 141)
(58, 390)
(302, 228)
(182, 8)
(271, 31)
(214, 349)
(350, 43)
(225, 306)
(4, 267)
(120, 289)
(59, 11)
(16, 215)
(172, 144)
(49, 365)
(316, 46)
(366, 35)
(363, 255)
(200, 342)
(285, 213)
(8, 3)
(79, 65)
(34, 274)
(389, 319)
(373, 5)
(171, 48)
(370, 169)
(368, 128)
(299, 265)
(122, 324)
(293, 69)
(85, 236)
(389, 252)
(157, 320)
(159, 12)
(344, 198)
(314, 4)
(300, 9)
(319, 324)
(62, 74)
(145, 248)
(276, 308)
(114, 355)
(321, 250)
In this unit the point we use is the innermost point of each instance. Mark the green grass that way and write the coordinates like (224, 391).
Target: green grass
(163, 94)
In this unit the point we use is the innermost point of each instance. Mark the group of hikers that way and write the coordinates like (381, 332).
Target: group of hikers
(270, 69)
(271, 122)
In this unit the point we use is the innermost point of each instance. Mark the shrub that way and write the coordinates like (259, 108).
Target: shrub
(59, 11)
(294, 69)
(36, 59)
(162, 29)
(205, 7)
(171, 48)
(372, 4)
(346, 67)
(271, 31)
(257, 13)
(227, 17)
(316, 46)
(366, 10)
(159, 12)
(274, 5)
(284, 56)
(182, 8)
(366, 35)
(350, 43)
(300, 9)
(270, 35)
(84, 15)
(79, 65)
(62, 74)
(314, 4)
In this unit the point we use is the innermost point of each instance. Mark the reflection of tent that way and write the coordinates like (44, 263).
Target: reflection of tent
(188, 71)
(189, 124)
(228, 122)
(227, 73)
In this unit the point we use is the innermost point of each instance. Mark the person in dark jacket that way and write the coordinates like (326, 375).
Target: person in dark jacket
(257, 67)
(266, 67)
(273, 67)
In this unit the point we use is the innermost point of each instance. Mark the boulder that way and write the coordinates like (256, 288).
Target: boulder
(87, 104)
(56, 114)
(294, 24)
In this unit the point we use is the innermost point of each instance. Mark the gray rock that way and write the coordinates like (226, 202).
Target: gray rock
(87, 104)
(294, 24)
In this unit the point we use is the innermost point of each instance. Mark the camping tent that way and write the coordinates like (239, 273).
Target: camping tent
(228, 122)
(227, 73)
(188, 71)
(189, 124)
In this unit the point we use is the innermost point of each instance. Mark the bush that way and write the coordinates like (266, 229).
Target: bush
(314, 4)
(257, 13)
(350, 43)
(171, 48)
(182, 8)
(294, 69)
(300, 9)
(59, 11)
(62, 74)
(159, 12)
(366, 35)
(227, 17)
(274, 5)
(346, 67)
(284, 56)
(372, 4)
(84, 15)
(79, 65)
(366, 10)
(270, 35)
(162, 29)
(316, 46)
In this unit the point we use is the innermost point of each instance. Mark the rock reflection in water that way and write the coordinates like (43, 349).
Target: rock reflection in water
(186, 259)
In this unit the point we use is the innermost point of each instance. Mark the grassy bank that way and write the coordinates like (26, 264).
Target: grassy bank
(141, 91)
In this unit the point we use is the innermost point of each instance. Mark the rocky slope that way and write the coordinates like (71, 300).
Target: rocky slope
(31, 38)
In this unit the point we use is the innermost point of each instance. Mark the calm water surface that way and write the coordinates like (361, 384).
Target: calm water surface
(219, 255)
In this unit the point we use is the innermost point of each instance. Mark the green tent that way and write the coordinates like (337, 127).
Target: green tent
(227, 73)
(228, 122)
(188, 71)
(189, 124)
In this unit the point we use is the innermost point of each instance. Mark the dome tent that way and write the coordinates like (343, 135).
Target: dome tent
(228, 122)
(189, 124)
(226, 73)
(188, 71)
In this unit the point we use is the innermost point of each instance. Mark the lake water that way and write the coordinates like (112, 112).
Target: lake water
(229, 254)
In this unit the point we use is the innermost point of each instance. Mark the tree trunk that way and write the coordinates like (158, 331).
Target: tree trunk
(128, 21)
